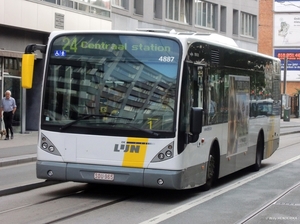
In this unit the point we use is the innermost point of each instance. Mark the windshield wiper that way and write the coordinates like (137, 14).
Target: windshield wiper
(87, 116)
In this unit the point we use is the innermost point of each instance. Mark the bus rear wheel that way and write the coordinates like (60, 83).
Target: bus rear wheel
(259, 154)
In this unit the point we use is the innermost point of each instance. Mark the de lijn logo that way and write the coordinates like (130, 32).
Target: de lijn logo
(131, 147)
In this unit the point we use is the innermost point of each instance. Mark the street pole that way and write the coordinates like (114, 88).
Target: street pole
(286, 113)
(23, 125)
(284, 75)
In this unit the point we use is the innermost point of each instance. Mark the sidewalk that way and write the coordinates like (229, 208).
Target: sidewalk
(22, 148)
(294, 122)
(29, 138)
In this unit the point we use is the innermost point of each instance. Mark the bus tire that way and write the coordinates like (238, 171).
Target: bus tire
(211, 172)
(259, 153)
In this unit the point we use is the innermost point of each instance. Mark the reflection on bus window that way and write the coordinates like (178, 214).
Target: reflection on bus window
(265, 107)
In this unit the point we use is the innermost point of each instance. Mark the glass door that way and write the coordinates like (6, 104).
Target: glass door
(10, 71)
(14, 85)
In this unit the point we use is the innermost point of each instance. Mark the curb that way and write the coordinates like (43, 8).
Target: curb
(289, 133)
(15, 160)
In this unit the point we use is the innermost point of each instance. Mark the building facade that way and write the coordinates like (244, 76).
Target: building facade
(265, 27)
(30, 21)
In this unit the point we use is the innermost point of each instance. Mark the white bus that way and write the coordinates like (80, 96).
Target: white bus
(152, 109)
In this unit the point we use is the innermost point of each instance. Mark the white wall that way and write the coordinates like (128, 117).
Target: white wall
(34, 16)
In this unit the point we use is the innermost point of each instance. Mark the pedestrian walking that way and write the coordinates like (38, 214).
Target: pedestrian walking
(8, 107)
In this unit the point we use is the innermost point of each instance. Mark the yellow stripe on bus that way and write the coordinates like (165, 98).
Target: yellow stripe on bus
(136, 153)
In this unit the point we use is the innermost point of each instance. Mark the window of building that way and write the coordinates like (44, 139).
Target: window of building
(179, 10)
(158, 9)
(83, 7)
(235, 22)
(223, 19)
(67, 3)
(138, 7)
(117, 3)
(51, 1)
(96, 7)
(120, 3)
(205, 14)
(248, 24)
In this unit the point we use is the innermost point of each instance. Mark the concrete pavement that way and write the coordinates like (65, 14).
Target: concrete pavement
(294, 122)
(18, 150)
(23, 147)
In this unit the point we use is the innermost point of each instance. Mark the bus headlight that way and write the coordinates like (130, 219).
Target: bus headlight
(51, 148)
(44, 145)
(166, 153)
(161, 156)
(169, 153)
(48, 146)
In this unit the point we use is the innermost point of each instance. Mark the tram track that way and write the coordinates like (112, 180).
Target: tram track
(84, 211)
(72, 215)
(40, 202)
(71, 211)
(268, 205)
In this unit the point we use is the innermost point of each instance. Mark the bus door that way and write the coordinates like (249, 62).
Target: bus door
(201, 91)
(200, 72)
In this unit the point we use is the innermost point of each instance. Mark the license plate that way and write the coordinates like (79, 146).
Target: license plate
(104, 176)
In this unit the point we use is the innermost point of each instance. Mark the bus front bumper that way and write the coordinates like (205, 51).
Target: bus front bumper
(88, 173)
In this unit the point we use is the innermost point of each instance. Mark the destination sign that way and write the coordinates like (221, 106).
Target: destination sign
(153, 52)
(78, 43)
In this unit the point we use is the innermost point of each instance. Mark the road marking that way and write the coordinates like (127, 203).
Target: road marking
(213, 194)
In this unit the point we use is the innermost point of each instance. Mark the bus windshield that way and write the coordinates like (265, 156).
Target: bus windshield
(109, 82)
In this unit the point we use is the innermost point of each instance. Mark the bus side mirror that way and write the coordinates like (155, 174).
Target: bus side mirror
(195, 123)
(27, 70)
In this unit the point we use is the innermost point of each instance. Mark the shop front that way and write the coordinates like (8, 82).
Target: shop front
(10, 79)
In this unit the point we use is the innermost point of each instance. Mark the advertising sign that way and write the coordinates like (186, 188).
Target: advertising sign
(286, 30)
(238, 116)
(293, 63)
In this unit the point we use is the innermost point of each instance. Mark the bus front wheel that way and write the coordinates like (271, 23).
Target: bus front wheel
(211, 171)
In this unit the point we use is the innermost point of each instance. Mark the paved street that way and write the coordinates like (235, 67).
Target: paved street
(23, 149)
